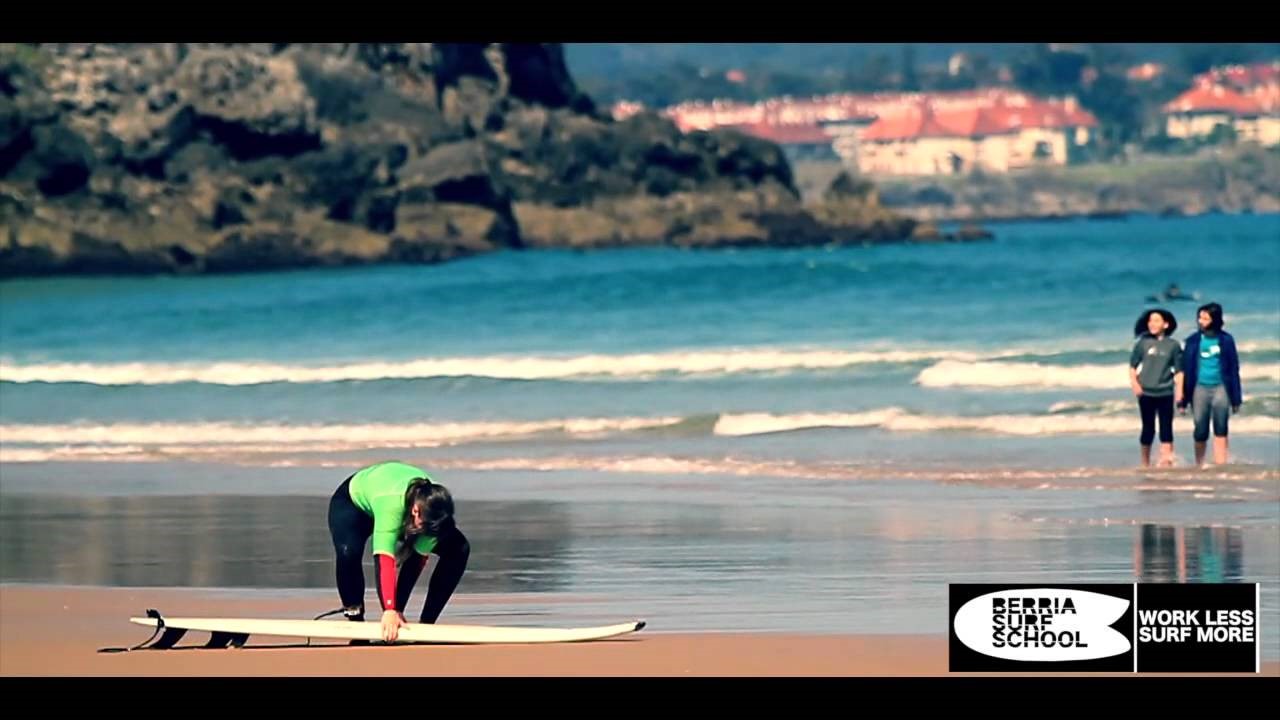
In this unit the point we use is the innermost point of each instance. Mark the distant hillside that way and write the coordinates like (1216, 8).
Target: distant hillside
(590, 59)
(663, 73)
(1243, 180)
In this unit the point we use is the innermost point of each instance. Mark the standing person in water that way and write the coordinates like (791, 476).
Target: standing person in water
(409, 518)
(1212, 369)
(1155, 375)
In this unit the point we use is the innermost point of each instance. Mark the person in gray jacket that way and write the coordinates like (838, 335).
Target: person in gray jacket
(1155, 375)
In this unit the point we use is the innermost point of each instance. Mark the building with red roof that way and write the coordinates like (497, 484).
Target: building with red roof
(1009, 134)
(996, 129)
(1212, 99)
(1252, 111)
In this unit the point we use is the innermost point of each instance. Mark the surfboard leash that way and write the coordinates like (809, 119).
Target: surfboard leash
(171, 636)
(322, 616)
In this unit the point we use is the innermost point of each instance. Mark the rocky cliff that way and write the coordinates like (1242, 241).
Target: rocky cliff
(204, 158)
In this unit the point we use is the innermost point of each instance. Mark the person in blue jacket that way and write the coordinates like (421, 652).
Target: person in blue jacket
(1211, 368)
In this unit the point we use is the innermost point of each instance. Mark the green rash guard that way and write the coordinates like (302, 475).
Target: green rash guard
(379, 490)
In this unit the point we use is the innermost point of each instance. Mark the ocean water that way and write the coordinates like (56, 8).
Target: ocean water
(854, 427)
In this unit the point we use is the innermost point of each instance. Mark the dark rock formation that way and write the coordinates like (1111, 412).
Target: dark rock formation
(229, 157)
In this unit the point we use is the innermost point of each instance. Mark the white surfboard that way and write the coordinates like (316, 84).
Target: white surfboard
(411, 633)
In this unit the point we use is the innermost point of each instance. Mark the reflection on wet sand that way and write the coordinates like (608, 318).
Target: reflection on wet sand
(265, 542)
(1169, 554)
(755, 565)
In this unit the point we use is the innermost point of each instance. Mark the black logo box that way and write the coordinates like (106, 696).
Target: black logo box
(1194, 655)
(963, 659)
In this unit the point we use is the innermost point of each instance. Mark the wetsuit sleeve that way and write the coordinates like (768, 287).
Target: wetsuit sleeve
(409, 573)
(388, 515)
(386, 572)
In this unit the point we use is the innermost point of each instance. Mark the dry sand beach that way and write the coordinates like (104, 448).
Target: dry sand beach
(58, 632)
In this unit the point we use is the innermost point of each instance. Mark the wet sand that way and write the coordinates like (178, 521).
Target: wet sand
(58, 631)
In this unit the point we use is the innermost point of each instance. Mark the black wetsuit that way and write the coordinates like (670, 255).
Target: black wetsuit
(351, 528)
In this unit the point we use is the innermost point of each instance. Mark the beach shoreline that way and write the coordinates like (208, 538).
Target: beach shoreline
(58, 631)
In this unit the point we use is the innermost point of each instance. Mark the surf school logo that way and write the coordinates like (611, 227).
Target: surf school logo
(1086, 628)
(1148, 627)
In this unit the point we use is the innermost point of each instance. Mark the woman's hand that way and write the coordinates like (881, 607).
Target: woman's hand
(1137, 389)
(392, 621)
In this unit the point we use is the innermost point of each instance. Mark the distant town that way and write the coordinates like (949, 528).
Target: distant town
(991, 129)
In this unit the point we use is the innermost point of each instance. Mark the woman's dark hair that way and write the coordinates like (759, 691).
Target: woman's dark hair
(1140, 327)
(1215, 315)
(434, 504)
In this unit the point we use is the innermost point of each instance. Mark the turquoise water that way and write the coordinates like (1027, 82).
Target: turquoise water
(861, 425)
(1027, 335)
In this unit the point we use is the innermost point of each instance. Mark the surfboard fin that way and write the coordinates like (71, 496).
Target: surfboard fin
(170, 637)
(224, 639)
